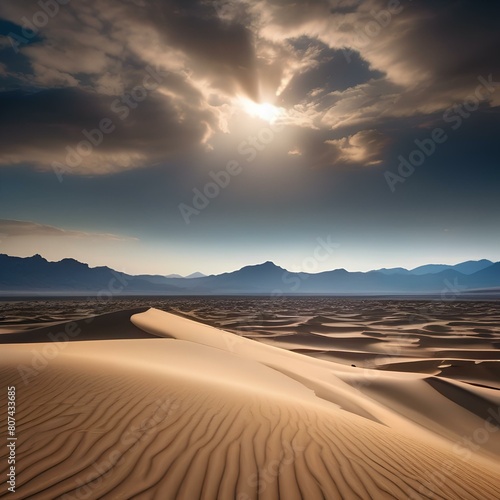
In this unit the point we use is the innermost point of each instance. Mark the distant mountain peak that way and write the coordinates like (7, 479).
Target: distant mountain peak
(74, 263)
(188, 277)
(468, 267)
(195, 275)
(264, 265)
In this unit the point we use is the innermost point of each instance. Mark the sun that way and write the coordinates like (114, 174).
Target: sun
(265, 111)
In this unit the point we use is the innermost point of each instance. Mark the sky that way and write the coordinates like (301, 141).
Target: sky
(174, 136)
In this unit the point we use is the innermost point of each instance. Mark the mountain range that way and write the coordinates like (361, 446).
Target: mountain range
(37, 276)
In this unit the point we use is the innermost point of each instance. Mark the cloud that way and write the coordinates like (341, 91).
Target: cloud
(339, 67)
(48, 127)
(328, 71)
(26, 238)
(19, 229)
(364, 148)
(92, 56)
(219, 49)
(317, 149)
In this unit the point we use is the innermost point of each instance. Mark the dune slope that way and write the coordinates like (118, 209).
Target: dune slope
(209, 415)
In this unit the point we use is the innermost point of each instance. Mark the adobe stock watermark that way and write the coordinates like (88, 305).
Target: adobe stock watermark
(30, 28)
(272, 469)
(293, 281)
(121, 106)
(452, 291)
(481, 435)
(381, 19)
(250, 149)
(464, 450)
(455, 116)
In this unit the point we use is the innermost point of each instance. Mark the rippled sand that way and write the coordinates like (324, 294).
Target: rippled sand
(147, 404)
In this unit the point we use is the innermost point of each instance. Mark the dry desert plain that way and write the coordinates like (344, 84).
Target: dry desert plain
(365, 401)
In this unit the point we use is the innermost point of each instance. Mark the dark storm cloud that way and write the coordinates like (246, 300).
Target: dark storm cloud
(331, 72)
(292, 14)
(42, 127)
(344, 6)
(426, 47)
(102, 49)
(439, 45)
(343, 68)
(427, 57)
(220, 48)
(452, 38)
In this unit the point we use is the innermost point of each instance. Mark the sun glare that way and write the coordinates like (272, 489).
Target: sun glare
(265, 111)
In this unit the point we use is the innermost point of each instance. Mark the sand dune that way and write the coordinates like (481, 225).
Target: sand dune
(106, 326)
(204, 413)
